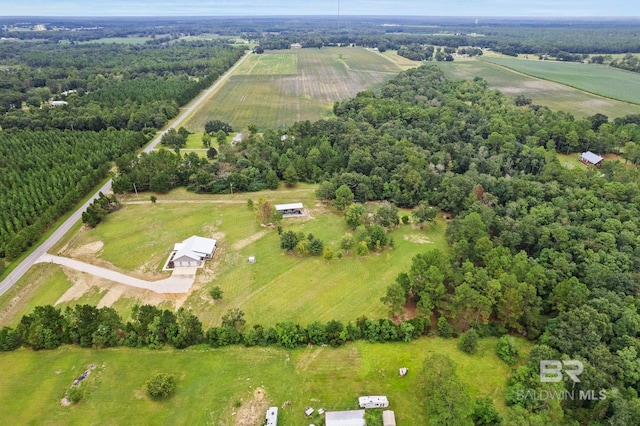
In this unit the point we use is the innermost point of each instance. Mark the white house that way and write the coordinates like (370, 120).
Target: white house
(344, 418)
(193, 251)
(59, 103)
(373, 402)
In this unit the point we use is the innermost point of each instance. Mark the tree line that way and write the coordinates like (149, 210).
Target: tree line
(48, 327)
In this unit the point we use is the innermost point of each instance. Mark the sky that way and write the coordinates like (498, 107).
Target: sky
(471, 8)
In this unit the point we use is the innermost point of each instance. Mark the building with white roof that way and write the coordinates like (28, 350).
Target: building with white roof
(193, 251)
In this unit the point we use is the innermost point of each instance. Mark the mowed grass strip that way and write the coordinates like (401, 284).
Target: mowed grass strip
(210, 381)
(599, 79)
(269, 97)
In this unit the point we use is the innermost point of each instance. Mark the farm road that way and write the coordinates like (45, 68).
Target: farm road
(174, 284)
(57, 235)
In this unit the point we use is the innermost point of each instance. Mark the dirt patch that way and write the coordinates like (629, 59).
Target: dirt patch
(252, 412)
(246, 241)
(419, 239)
(115, 291)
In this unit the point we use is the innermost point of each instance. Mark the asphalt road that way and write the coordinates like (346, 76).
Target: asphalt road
(40, 251)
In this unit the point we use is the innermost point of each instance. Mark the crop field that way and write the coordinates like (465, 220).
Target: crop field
(220, 386)
(599, 79)
(138, 239)
(120, 40)
(555, 95)
(276, 89)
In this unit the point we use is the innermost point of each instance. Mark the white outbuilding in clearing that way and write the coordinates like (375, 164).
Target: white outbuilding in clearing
(344, 418)
(193, 251)
(271, 418)
(373, 402)
(290, 210)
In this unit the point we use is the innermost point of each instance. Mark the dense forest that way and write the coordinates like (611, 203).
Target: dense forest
(68, 111)
(536, 249)
(43, 173)
(135, 87)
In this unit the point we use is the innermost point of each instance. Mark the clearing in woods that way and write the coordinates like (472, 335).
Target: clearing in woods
(510, 79)
(276, 89)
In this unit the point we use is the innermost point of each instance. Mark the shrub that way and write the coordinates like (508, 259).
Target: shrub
(485, 413)
(362, 249)
(161, 386)
(405, 219)
(216, 293)
(468, 342)
(444, 328)
(75, 394)
(507, 349)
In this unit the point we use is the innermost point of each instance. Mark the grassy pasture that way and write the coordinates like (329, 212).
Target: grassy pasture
(552, 94)
(270, 90)
(138, 238)
(210, 381)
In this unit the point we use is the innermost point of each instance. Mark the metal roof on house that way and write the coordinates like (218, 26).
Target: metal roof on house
(290, 206)
(195, 248)
(344, 418)
(591, 157)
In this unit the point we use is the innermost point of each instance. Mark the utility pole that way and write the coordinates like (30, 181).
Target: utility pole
(136, 190)
(231, 186)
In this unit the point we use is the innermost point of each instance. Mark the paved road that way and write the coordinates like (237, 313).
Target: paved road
(40, 251)
(175, 284)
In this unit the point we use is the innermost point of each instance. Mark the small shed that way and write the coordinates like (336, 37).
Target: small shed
(272, 416)
(309, 411)
(344, 418)
(238, 138)
(290, 210)
(388, 418)
(252, 259)
(591, 159)
(373, 402)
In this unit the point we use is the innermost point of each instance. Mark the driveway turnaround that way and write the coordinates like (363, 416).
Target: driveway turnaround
(177, 283)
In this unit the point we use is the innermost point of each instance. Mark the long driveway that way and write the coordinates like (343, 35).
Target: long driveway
(175, 284)
(41, 250)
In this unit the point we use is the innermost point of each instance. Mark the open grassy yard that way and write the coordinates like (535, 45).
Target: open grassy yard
(549, 93)
(275, 88)
(138, 239)
(212, 382)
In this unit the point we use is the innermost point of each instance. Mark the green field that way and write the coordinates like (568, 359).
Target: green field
(277, 89)
(599, 79)
(211, 381)
(138, 239)
(543, 92)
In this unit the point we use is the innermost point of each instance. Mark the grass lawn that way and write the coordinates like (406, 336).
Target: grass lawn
(277, 88)
(210, 382)
(280, 286)
(552, 94)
